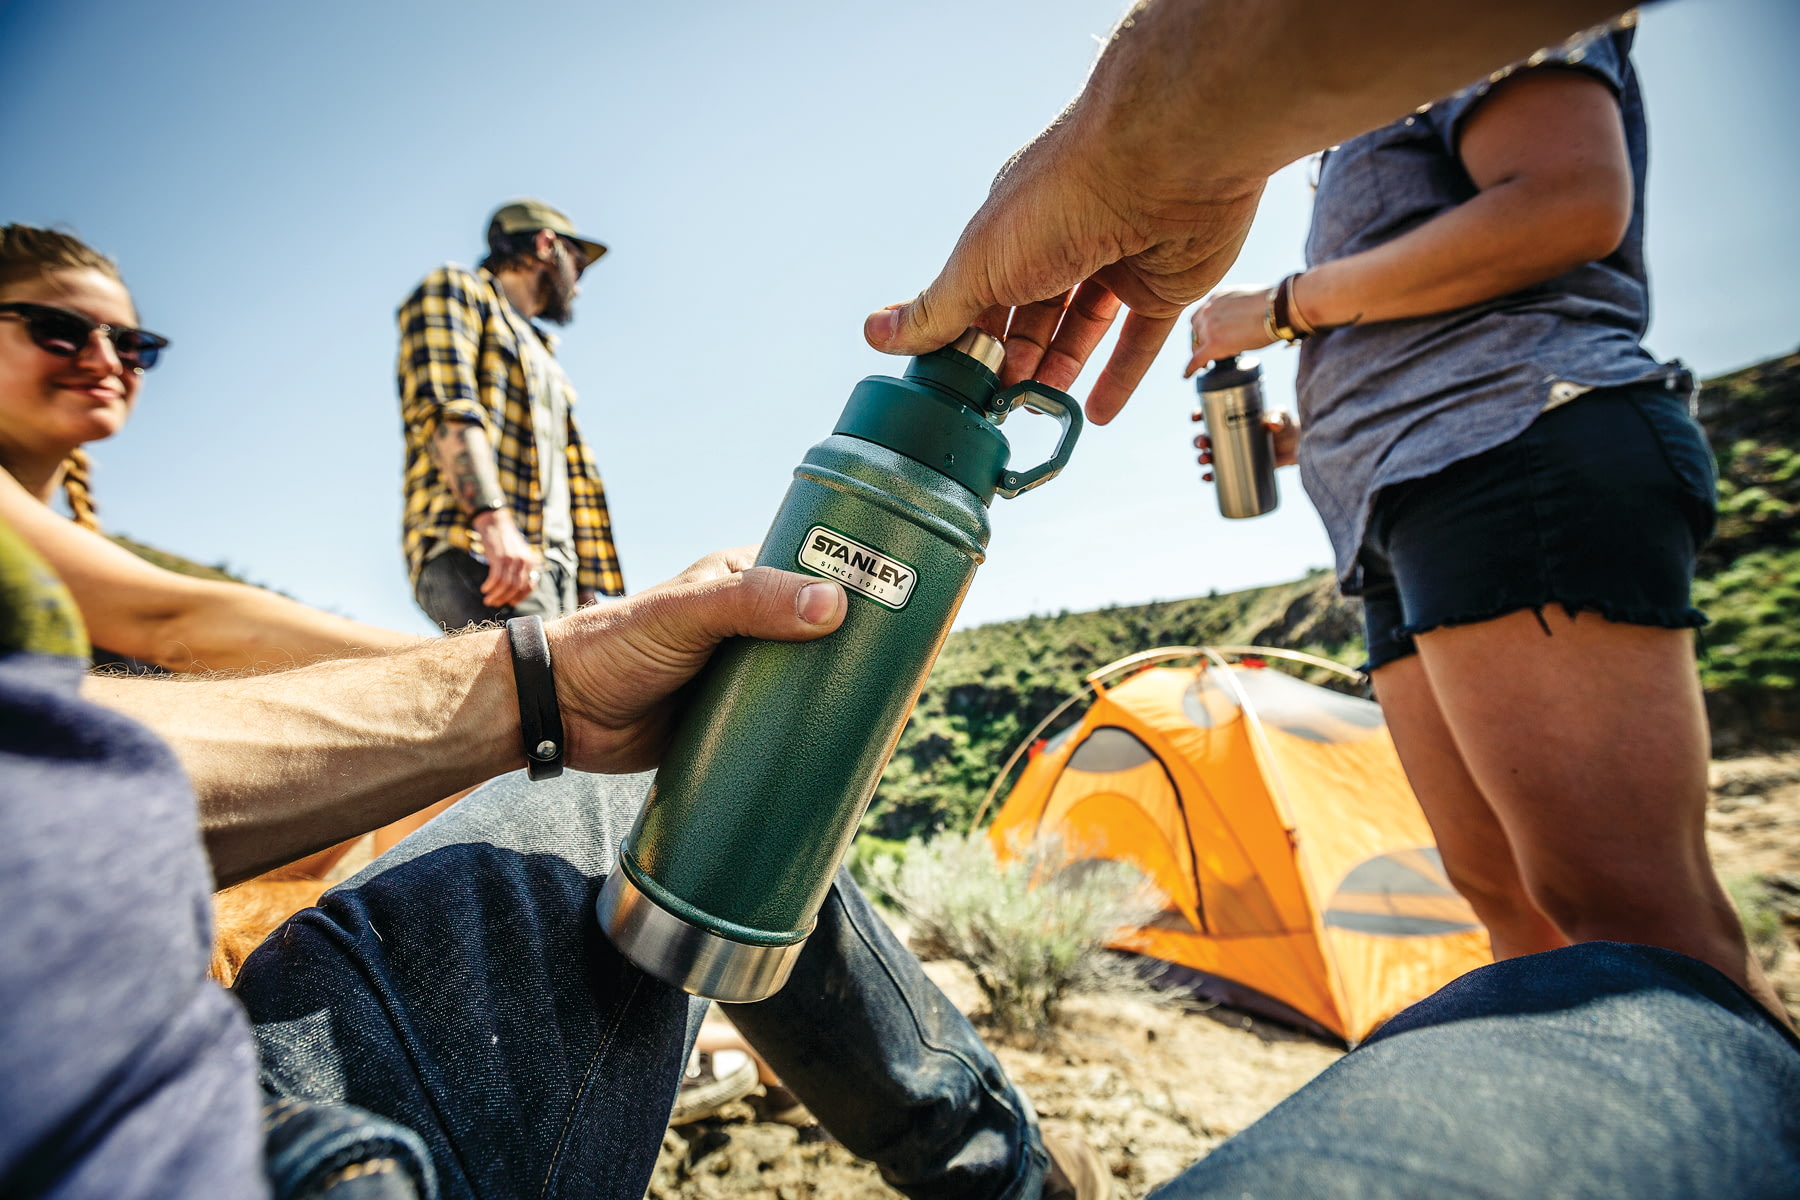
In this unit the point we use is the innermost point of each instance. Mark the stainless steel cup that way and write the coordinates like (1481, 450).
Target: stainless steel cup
(1243, 451)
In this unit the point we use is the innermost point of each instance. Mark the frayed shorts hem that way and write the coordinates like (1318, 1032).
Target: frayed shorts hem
(1400, 644)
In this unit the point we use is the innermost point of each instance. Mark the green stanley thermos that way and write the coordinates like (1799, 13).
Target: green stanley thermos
(782, 744)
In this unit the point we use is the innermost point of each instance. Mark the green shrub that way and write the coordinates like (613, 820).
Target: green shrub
(1032, 929)
(1754, 639)
(1760, 917)
(867, 855)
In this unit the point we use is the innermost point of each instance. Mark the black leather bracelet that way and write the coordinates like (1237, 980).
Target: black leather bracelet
(1281, 315)
(540, 717)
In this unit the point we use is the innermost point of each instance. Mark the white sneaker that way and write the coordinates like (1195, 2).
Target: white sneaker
(714, 1078)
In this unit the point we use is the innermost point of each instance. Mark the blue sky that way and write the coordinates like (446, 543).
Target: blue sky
(274, 179)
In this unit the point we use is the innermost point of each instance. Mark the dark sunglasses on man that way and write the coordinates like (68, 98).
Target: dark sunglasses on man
(64, 333)
(576, 251)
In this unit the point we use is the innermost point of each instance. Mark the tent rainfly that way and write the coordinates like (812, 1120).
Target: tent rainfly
(1302, 880)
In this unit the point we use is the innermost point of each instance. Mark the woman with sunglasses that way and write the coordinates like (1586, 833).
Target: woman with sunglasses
(71, 362)
(72, 359)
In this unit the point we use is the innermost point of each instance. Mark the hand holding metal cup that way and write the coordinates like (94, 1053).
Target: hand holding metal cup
(1240, 448)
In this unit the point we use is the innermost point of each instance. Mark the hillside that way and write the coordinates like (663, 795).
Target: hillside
(994, 683)
(1750, 574)
(176, 563)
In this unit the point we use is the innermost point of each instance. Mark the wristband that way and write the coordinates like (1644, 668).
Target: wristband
(1279, 320)
(482, 510)
(540, 717)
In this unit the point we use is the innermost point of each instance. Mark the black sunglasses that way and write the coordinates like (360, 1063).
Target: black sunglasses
(65, 333)
(578, 252)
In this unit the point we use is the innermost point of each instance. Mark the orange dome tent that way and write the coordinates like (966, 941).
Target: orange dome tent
(1303, 881)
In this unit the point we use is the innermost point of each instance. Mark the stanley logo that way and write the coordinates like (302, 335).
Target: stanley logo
(885, 580)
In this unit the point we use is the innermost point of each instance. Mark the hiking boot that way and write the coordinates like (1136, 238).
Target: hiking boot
(1076, 1172)
(714, 1079)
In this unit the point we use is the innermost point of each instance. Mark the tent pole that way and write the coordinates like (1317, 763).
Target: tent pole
(1013, 760)
(1092, 683)
(1144, 658)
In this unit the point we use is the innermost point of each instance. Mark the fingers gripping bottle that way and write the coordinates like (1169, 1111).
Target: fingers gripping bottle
(780, 749)
(1243, 451)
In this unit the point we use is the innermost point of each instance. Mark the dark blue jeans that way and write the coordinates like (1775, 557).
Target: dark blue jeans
(1595, 1071)
(461, 987)
(449, 591)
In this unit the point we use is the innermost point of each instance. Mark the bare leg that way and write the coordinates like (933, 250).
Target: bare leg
(1477, 856)
(1590, 747)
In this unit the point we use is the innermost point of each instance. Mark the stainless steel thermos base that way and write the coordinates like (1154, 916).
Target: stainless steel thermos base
(694, 959)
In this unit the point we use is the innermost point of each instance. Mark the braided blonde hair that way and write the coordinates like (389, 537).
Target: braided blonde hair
(78, 489)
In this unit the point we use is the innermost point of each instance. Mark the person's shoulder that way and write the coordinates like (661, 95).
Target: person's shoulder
(1603, 51)
(452, 282)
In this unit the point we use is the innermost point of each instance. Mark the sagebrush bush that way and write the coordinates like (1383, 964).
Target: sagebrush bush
(1033, 929)
(867, 855)
(1761, 919)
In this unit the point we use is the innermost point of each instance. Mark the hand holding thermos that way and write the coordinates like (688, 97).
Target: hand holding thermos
(1243, 443)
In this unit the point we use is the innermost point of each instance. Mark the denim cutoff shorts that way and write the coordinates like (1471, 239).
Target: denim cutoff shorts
(1601, 506)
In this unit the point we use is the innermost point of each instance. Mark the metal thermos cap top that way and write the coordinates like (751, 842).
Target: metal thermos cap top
(1230, 372)
(981, 346)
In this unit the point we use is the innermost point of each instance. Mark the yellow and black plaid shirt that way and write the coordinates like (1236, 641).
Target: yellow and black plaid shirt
(462, 358)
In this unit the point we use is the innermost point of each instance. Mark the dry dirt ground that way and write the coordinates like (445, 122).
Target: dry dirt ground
(1154, 1087)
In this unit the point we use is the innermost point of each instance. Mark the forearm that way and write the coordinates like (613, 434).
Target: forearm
(1190, 96)
(1508, 237)
(466, 461)
(136, 608)
(229, 627)
(288, 764)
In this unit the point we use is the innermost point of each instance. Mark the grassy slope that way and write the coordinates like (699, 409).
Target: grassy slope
(1750, 582)
(174, 562)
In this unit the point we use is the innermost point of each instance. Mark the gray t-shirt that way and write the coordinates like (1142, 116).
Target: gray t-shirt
(550, 429)
(551, 399)
(1397, 400)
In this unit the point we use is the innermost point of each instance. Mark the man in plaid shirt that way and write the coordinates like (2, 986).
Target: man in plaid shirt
(505, 514)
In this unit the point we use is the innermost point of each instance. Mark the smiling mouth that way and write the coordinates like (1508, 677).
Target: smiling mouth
(95, 391)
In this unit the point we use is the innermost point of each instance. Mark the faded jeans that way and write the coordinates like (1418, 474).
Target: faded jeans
(1595, 1071)
(461, 987)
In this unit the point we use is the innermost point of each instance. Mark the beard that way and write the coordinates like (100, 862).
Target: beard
(556, 290)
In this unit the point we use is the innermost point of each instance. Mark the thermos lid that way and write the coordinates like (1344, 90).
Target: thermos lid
(981, 346)
(937, 415)
(1236, 370)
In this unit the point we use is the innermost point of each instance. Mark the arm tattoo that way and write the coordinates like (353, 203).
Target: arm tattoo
(467, 463)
